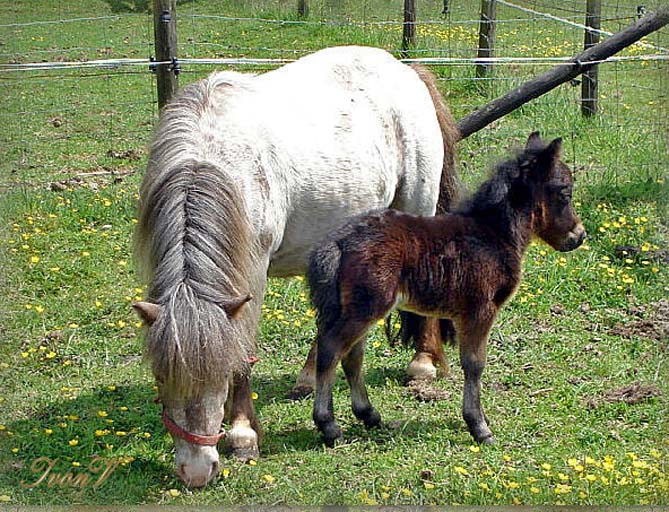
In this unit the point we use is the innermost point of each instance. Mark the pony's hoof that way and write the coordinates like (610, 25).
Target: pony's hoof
(300, 392)
(245, 454)
(422, 367)
(242, 443)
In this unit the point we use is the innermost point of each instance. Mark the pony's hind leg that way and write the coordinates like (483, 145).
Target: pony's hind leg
(332, 345)
(243, 438)
(429, 347)
(473, 337)
(306, 380)
(362, 407)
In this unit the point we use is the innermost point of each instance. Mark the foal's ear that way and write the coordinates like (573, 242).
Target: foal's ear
(232, 307)
(147, 311)
(554, 149)
(534, 141)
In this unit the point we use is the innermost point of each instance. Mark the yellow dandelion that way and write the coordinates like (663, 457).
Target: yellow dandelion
(428, 485)
(102, 414)
(460, 470)
(535, 490)
(34, 259)
(546, 466)
(254, 396)
(407, 492)
(48, 431)
(474, 448)
(252, 463)
(225, 472)
(484, 486)
(73, 442)
(174, 493)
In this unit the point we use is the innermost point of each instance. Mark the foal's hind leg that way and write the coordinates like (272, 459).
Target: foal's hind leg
(362, 407)
(243, 437)
(334, 343)
(473, 337)
(306, 380)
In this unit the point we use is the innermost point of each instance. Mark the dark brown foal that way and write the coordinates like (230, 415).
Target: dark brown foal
(461, 266)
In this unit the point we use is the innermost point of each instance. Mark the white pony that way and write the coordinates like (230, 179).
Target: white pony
(246, 174)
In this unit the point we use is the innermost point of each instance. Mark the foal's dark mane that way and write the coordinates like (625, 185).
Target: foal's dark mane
(504, 197)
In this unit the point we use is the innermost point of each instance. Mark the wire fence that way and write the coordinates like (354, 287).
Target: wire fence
(78, 92)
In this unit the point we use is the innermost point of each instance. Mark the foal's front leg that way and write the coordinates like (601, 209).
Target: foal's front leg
(473, 338)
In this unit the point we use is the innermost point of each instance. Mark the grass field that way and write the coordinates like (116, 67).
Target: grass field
(576, 385)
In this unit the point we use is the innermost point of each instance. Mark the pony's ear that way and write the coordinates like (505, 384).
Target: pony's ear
(147, 311)
(534, 141)
(232, 307)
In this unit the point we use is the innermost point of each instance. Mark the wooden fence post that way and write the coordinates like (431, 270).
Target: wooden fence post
(409, 32)
(486, 36)
(303, 8)
(165, 37)
(589, 83)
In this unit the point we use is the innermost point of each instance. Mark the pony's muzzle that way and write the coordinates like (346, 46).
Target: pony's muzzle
(198, 469)
(574, 239)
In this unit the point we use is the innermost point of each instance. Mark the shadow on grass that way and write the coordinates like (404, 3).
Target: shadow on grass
(123, 424)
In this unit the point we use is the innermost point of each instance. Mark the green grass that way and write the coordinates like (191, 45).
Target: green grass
(72, 382)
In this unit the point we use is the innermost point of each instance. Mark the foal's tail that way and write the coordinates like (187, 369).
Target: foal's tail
(449, 189)
(323, 277)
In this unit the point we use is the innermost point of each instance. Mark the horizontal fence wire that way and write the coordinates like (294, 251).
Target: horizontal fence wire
(433, 61)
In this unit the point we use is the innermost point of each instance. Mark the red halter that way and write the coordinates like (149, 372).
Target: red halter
(177, 431)
(189, 437)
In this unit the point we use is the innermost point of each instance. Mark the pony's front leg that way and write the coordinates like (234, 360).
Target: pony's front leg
(473, 338)
(243, 438)
(306, 380)
(429, 347)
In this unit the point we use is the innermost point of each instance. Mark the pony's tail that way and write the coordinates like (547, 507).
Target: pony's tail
(449, 188)
(323, 279)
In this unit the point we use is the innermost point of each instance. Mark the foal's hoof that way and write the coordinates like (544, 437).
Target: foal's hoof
(332, 435)
(300, 392)
(372, 419)
(422, 367)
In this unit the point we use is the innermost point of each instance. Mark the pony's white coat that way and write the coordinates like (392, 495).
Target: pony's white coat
(334, 134)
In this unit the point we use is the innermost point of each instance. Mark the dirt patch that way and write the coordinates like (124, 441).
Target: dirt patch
(653, 322)
(424, 391)
(631, 394)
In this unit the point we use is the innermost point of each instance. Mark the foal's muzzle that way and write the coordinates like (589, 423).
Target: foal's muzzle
(574, 239)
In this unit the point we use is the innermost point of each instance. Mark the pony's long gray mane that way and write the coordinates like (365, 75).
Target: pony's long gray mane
(193, 243)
